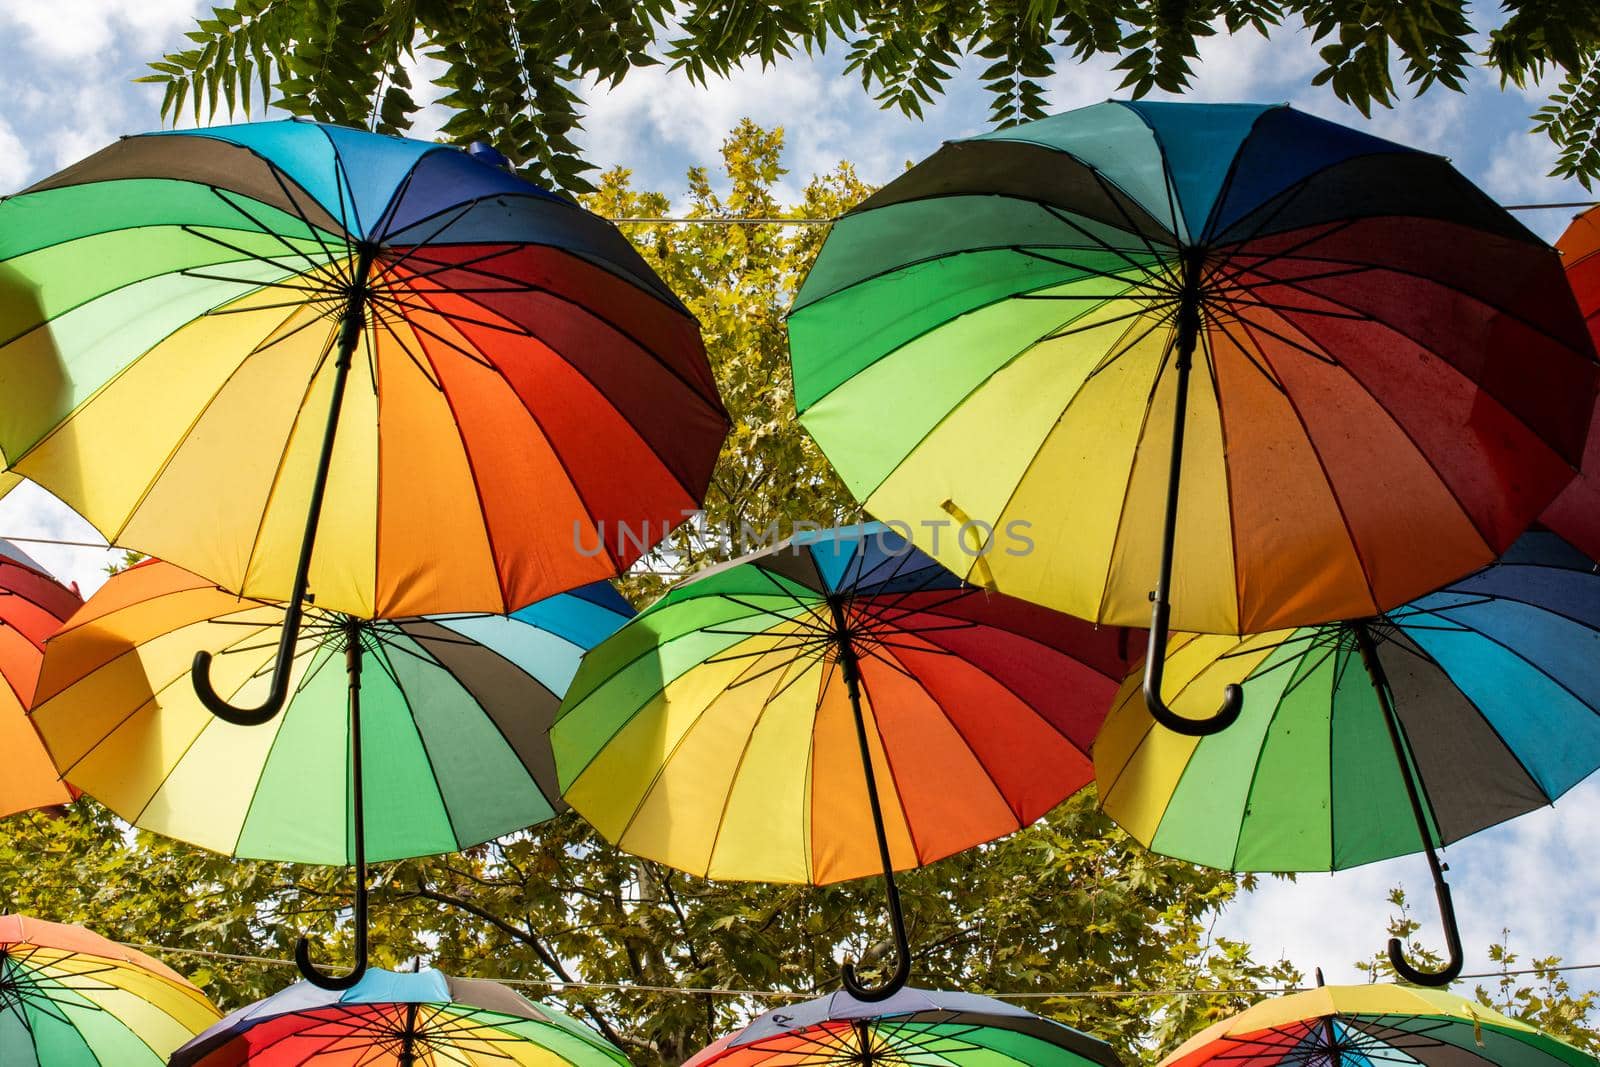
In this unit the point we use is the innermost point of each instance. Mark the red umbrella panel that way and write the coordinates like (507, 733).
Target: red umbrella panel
(1575, 514)
(33, 606)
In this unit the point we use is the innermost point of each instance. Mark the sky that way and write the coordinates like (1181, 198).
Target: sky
(66, 70)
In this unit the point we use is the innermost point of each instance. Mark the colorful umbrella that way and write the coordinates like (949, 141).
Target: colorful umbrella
(1464, 708)
(1003, 338)
(440, 720)
(32, 607)
(399, 1020)
(1575, 514)
(1372, 1024)
(834, 707)
(203, 332)
(70, 998)
(913, 1028)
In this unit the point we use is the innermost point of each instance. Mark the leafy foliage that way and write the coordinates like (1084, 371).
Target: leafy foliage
(1069, 904)
(513, 69)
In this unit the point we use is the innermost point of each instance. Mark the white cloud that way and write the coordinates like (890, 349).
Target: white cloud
(16, 164)
(63, 30)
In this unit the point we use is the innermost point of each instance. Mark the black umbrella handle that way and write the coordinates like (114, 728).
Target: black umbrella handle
(351, 324)
(1441, 890)
(302, 949)
(1155, 654)
(1452, 940)
(851, 668)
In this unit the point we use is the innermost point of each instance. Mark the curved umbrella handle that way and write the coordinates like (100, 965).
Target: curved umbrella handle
(1155, 653)
(277, 695)
(1155, 659)
(351, 324)
(902, 950)
(1452, 940)
(335, 983)
(302, 948)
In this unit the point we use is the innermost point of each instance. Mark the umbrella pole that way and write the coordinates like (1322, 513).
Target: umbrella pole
(850, 665)
(302, 950)
(351, 324)
(408, 1039)
(1155, 655)
(1441, 889)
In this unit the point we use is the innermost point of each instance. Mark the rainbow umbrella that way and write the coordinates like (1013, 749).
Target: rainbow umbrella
(1575, 514)
(837, 706)
(1004, 338)
(400, 738)
(206, 333)
(70, 998)
(1377, 737)
(32, 607)
(913, 1028)
(1362, 1025)
(426, 1019)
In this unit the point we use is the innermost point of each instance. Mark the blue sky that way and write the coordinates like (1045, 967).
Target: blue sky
(65, 90)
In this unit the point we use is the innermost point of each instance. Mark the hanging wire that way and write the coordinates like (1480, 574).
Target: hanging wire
(768, 994)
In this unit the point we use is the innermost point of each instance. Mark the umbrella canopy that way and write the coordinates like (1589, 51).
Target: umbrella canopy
(1575, 514)
(1492, 688)
(174, 318)
(913, 1028)
(399, 1020)
(456, 711)
(70, 998)
(32, 607)
(1004, 336)
(1373, 1024)
(715, 732)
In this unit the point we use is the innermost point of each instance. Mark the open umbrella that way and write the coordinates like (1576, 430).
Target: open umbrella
(32, 607)
(400, 738)
(1376, 737)
(1005, 336)
(1575, 514)
(206, 334)
(838, 706)
(71, 998)
(426, 1019)
(913, 1028)
(1356, 1026)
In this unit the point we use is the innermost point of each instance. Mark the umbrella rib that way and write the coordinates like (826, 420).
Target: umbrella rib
(436, 267)
(259, 225)
(316, 292)
(315, 230)
(382, 318)
(417, 246)
(246, 253)
(281, 337)
(466, 353)
(1100, 241)
(1142, 281)
(1115, 196)
(1126, 346)
(1099, 324)
(1252, 353)
(1230, 270)
(1253, 324)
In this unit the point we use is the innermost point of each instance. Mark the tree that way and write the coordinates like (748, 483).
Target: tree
(1070, 904)
(512, 69)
